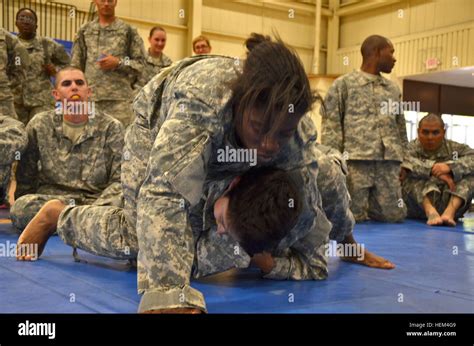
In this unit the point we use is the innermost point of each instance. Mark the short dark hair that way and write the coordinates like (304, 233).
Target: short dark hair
(67, 68)
(273, 78)
(27, 9)
(263, 208)
(432, 117)
(372, 44)
(155, 28)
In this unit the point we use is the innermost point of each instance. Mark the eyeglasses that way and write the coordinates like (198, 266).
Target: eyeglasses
(26, 19)
(102, 2)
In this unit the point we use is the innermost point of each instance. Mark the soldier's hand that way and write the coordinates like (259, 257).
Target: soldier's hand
(108, 62)
(50, 70)
(191, 311)
(264, 261)
(403, 174)
(439, 169)
(448, 180)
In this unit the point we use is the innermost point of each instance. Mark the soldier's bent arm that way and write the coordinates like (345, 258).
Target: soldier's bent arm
(332, 117)
(27, 172)
(419, 168)
(463, 161)
(114, 148)
(174, 182)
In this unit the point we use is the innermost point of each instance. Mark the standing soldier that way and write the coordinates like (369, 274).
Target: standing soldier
(13, 59)
(155, 58)
(33, 95)
(111, 54)
(358, 123)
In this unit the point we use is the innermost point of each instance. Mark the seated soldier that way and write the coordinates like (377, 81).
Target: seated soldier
(438, 178)
(73, 154)
(13, 141)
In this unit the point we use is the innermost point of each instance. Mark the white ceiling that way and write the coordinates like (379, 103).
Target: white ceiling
(460, 77)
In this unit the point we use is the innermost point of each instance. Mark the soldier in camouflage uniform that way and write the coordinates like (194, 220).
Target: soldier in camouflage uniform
(33, 95)
(439, 180)
(13, 141)
(111, 53)
(73, 156)
(180, 127)
(360, 121)
(13, 61)
(155, 58)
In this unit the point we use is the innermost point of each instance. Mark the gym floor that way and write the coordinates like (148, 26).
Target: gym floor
(434, 274)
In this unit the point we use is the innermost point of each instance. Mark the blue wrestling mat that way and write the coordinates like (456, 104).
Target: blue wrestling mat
(434, 273)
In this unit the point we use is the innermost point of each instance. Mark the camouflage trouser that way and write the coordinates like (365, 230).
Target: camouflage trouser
(7, 108)
(27, 206)
(25, 114)
(119, 109)
(101, 230)
(5, 172)
(375, 191)
(335, 197)
(414, 190)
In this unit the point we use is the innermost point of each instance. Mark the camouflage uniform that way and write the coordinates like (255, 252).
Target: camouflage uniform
(359, 122)
(180, 123)
(419, 182)
(11, 53)
(152, 67)
(33, 95)
(13, 141)
(112, 89)
(86, 172)
(334, 194)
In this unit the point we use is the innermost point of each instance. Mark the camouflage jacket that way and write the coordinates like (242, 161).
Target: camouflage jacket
(14, 59)
(118, 39)
(460, 158)
(360, 120)
(151, 68)
(35, 90)
(53, 165)
(170, 164)
(13, 141)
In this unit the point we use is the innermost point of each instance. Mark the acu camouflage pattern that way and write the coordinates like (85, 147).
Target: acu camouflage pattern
(335, 196)
(152, 67)
(118, 39)
(353, 123)
(87, 172)
(36, 89)
(13, 141)
(375, 190)
(180, 123)
(11, 52)
(419, 182)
